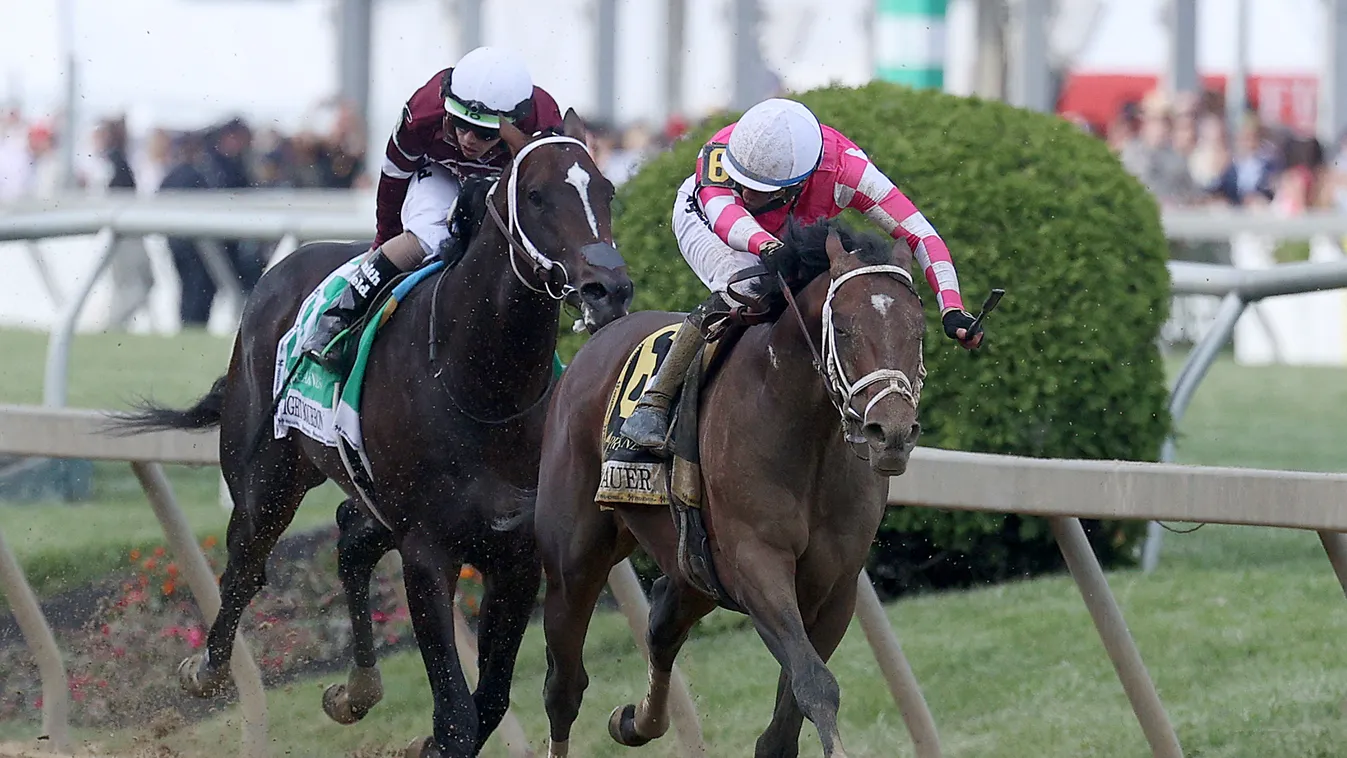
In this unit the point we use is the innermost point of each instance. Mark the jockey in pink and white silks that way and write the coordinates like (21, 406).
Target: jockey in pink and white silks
(775, 163)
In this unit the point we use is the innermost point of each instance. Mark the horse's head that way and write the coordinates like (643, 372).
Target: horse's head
(558, 208)
(872, 327)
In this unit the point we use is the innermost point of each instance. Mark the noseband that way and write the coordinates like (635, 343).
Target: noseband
(841, 390)
(518, 239)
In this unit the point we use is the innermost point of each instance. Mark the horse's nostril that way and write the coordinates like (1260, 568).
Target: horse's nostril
(874, 434)
(913, 433)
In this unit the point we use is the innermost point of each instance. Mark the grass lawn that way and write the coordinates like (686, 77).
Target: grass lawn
(1245, 653)
(60, 545)
(1240, 627)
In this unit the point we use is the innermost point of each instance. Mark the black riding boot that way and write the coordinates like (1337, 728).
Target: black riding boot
(363, 288)
(648, 424)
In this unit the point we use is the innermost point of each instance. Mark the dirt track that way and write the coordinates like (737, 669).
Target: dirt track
(36, 749)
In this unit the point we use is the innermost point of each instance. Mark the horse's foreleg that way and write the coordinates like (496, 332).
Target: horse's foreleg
(431, 576)
(265, 501)
(766, 583)
(781, 739)
(577, 558)
(673, 612)
(363, 542)
(509, 594)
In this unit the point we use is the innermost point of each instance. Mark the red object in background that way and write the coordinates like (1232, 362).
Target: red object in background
(1291, 100)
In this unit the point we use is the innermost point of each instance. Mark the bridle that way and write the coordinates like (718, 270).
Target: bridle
(544, 269)
(842, 392)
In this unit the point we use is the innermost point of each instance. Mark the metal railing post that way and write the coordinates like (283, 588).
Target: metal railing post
(58, 344)
(42, 644)
(1194, 370)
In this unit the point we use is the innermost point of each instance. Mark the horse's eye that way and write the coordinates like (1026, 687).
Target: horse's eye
(536, 198)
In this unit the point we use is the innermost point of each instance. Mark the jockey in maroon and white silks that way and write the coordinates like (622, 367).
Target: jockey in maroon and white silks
(449, 130)
(422, 138)
(778, 163)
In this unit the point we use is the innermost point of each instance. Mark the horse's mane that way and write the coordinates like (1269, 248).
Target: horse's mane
(804, 258)
(471, 211)
(467, 219)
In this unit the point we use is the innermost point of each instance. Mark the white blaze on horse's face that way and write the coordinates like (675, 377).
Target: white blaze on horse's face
(881, 303)
(579, 179)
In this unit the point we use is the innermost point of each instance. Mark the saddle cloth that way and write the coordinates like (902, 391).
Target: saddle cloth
(630, 473)
(320, 403)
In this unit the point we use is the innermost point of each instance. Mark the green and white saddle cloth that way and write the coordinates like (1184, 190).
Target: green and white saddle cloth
(319, 402)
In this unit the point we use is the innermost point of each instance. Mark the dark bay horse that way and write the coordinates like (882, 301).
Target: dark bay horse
(454, 403)
(793, 495)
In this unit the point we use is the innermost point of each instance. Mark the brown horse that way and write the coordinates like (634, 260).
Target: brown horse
(792, 498)
(453, 411)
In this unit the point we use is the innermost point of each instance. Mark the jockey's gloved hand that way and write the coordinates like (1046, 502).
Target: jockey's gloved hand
(958, 320)
(767, 251)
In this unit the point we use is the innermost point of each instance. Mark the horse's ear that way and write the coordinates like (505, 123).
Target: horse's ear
(837, 255)
(902, 254)
(514, 139)
(573, 126)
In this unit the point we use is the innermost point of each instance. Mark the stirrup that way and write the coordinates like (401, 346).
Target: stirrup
(652, 420)
(330, 360)
(328, 354)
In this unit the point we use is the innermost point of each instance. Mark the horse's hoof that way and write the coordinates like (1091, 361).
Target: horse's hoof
(199, 679)
(622, 726)
(348, 703)
(338, 707)
(422, 747)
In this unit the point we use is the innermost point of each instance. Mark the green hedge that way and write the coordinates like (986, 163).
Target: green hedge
(1070, 368)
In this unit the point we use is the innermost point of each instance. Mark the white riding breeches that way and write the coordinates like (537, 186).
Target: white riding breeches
(430, 200)
(713, 261)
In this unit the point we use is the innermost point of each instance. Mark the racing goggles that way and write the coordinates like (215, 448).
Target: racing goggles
(479, 131)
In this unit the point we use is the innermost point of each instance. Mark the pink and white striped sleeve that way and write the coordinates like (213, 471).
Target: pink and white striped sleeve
(862, 186)
(731, 221)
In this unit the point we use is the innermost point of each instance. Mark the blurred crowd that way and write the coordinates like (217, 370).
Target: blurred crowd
(328, 154)
(1185, 151)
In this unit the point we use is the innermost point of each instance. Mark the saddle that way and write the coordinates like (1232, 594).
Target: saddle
(637, 476)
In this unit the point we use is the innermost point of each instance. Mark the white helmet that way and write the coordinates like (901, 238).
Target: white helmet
(486, 84)
(777, 143)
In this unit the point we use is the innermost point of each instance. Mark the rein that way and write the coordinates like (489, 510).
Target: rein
(842, 391)
(799, 319)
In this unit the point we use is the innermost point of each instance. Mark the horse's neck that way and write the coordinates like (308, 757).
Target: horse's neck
(508, 329)
(798, 387)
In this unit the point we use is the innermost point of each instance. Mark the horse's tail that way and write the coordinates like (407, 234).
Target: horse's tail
(150, 417)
